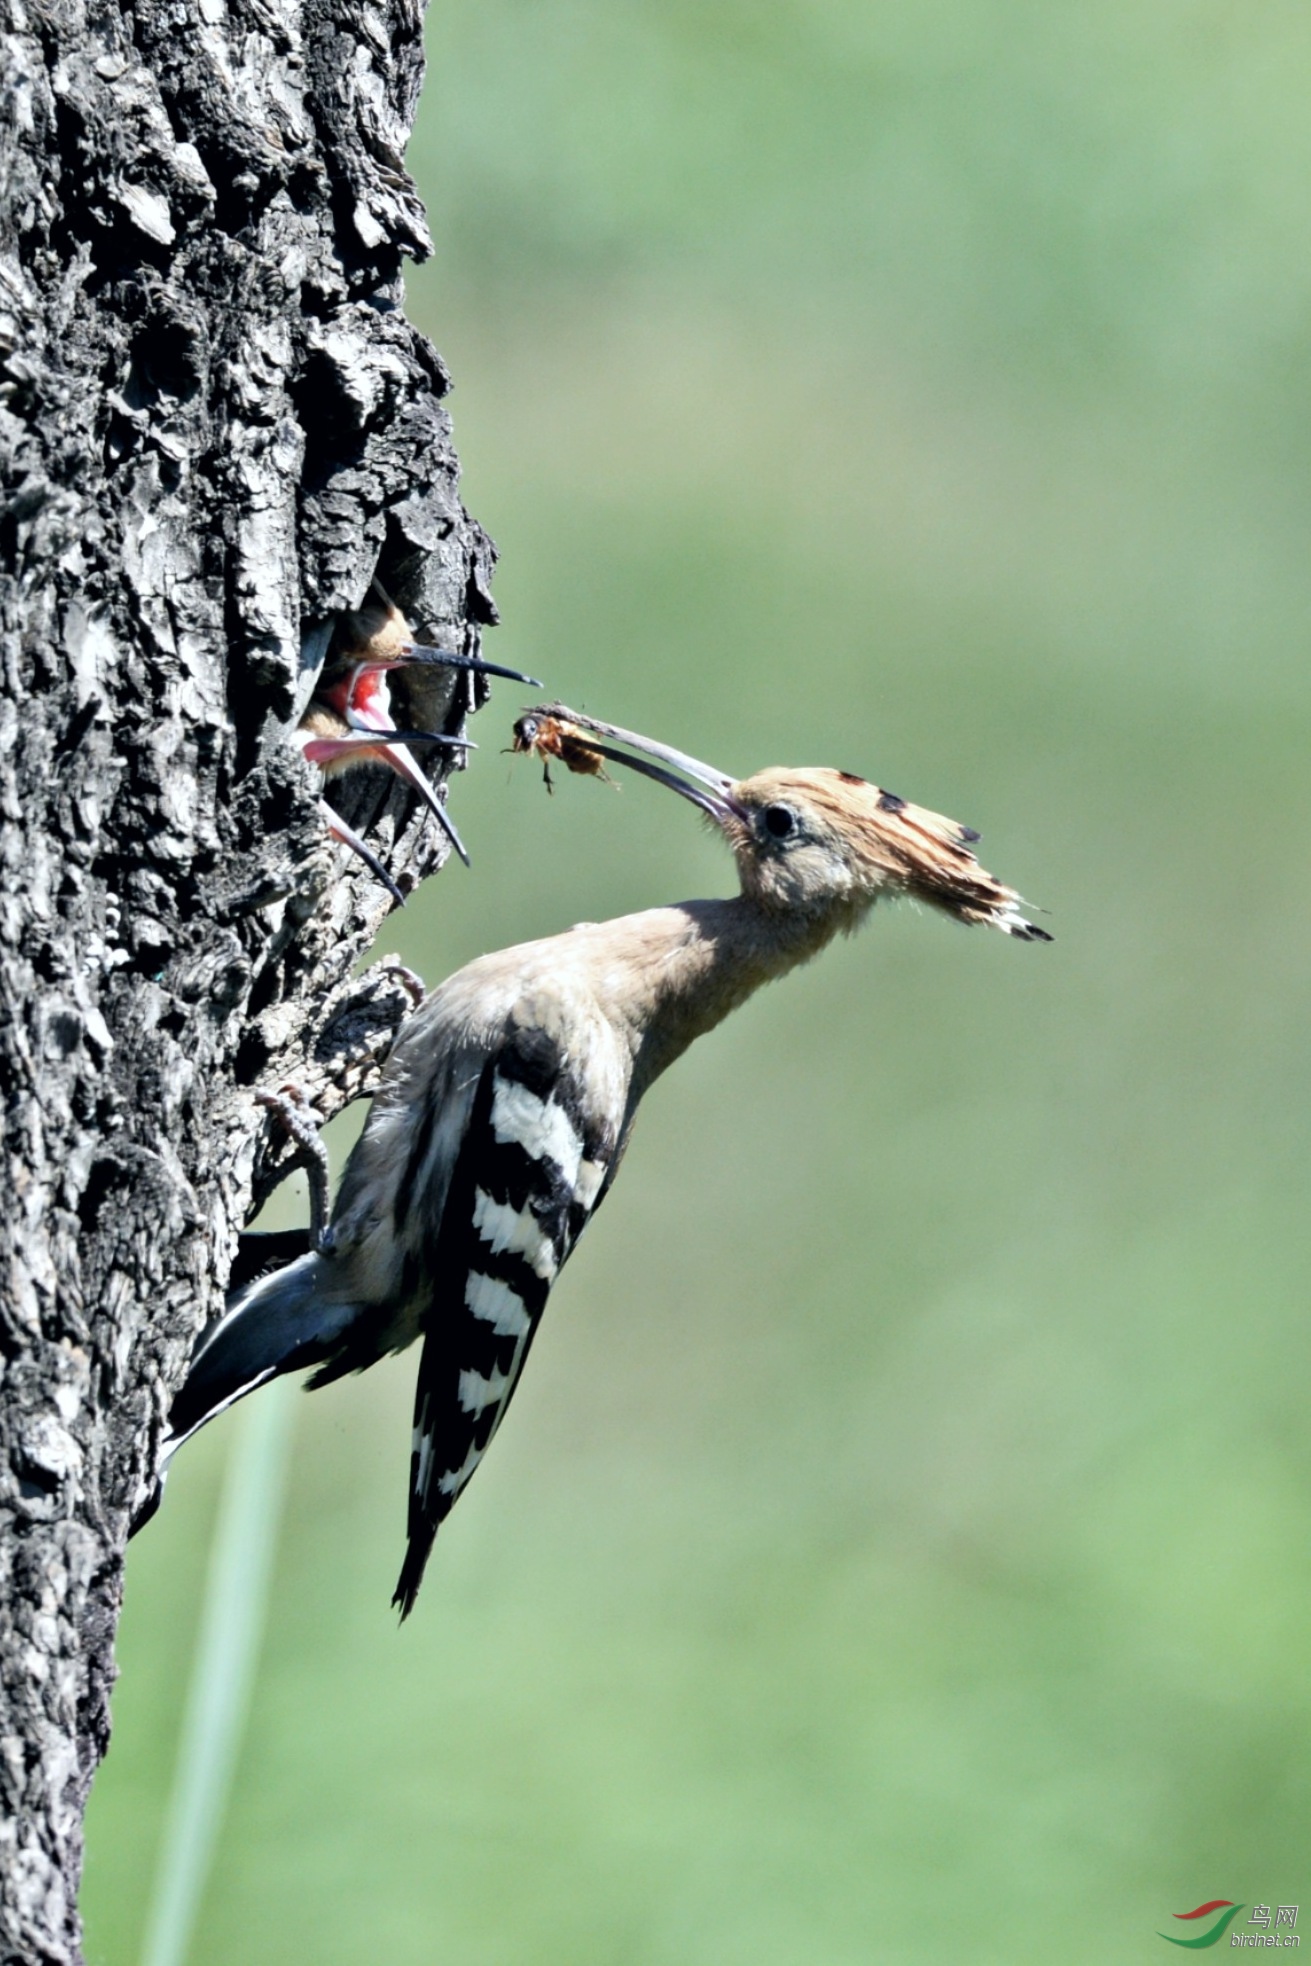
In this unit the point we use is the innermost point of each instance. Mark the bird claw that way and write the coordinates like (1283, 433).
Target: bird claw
(301, 1123)
(410, 981)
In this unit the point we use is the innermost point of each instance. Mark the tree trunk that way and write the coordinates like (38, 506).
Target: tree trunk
(218, 427)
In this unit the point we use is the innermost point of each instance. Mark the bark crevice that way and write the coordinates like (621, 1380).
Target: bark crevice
(216, 428)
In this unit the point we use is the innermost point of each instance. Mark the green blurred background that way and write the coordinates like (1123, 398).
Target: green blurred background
(899, 1546)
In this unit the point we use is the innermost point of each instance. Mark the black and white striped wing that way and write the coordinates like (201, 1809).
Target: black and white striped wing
(531, 1167)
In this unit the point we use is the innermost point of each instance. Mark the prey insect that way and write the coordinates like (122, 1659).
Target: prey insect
(550, 733)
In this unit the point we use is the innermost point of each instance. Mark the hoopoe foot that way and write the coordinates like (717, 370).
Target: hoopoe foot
(410, 981)
(301, 1123)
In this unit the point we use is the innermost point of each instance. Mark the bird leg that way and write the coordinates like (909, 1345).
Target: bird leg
(409, 979)
(341, 1059)
(361, 1022)
(301, 1124)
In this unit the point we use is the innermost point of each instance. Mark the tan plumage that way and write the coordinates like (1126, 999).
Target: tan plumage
(887, 845)
(855, 840)
(507, 1103)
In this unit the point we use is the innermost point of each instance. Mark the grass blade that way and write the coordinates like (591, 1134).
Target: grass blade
(227, 1651)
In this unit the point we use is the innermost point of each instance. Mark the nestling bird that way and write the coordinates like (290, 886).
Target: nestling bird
(350, 720)
(327, 740)
(508, 1100)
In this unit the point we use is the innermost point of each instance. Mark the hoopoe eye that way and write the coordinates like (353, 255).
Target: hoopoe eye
(780, 822)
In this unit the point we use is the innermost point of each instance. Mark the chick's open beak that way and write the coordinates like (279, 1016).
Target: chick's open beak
(418, 652)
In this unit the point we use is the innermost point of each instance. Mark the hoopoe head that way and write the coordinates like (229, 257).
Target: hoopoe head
(814, 840)
(375, 641)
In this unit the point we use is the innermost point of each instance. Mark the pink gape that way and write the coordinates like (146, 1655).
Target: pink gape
(350, 720)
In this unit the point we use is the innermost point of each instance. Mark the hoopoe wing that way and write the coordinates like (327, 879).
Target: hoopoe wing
(535, 1158)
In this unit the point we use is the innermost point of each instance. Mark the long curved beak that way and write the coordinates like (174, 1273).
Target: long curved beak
(388, 747)
(404, 766)
(447, 659)
(714, 799)
(349, 837)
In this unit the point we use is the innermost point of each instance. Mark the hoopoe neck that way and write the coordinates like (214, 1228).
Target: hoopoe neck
(698, 961)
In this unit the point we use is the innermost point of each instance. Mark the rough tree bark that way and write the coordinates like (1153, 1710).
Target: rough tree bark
(217, 427)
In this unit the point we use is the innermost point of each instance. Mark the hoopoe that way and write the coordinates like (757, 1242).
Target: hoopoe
(350, 720)
(508, 1100)
(327, 740)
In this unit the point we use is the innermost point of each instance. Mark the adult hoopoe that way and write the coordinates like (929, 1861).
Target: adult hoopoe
(509, 1097)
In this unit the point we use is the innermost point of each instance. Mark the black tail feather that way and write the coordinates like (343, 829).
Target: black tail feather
(275, 1325)
(417, 1553)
